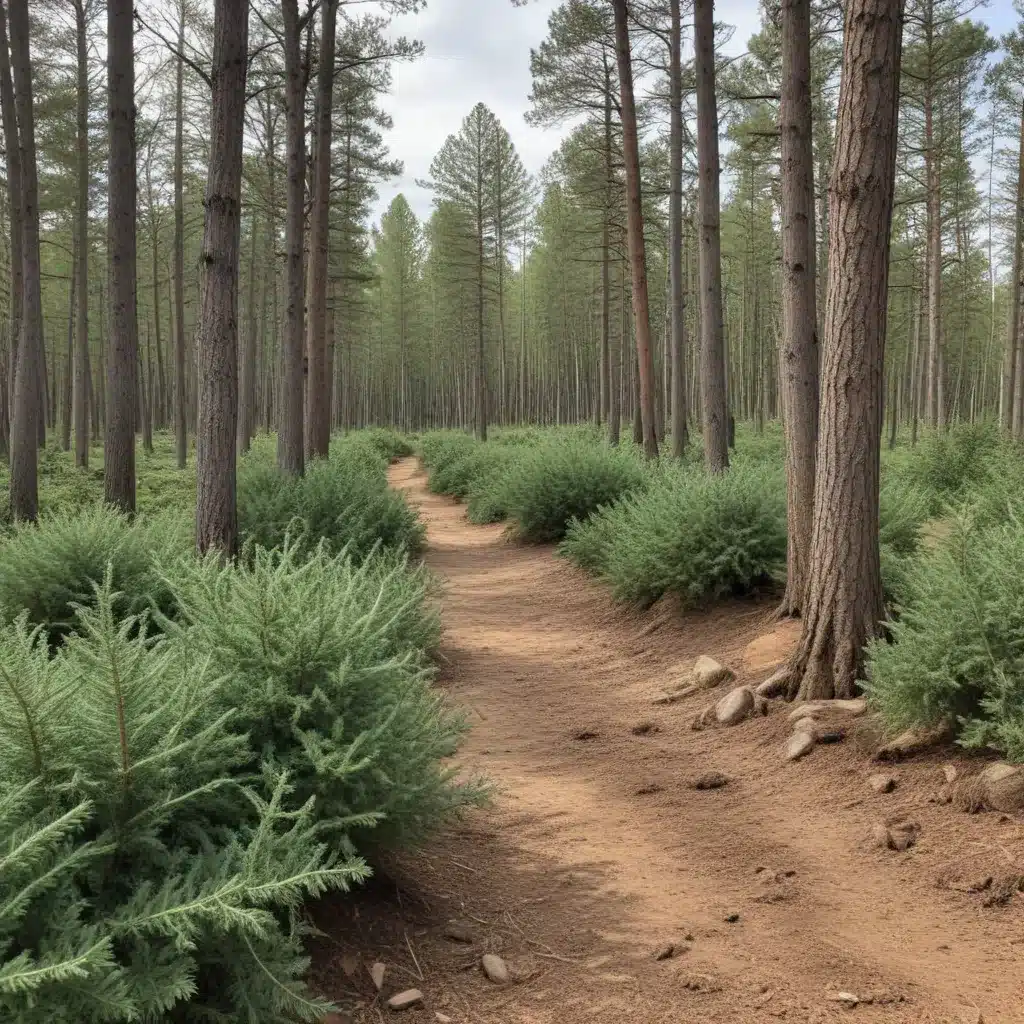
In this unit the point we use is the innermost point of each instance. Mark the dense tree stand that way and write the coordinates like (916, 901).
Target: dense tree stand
(844, 601)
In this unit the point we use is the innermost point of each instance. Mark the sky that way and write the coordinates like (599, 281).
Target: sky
(479, 51)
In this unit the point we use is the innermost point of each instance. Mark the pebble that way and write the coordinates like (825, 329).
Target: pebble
(459, 931)
(377, 973)
(708, 673)
(882, 783)
(405, 1000)
(731, 918)
(800, 744)
(735, 706)
(847, 998)
(442, 1018)
(496, 969)
(710, 780)
(950, 773)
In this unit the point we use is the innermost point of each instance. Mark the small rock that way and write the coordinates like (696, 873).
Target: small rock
(880, 835)
(775, 684)
(833, 736)
(735, 706)
(950, 773)
(496, 969)
(800, 744)
(377, 973)
(665, 952)
(405, 1000)
(902, 835)
(1003, 787)
(710, 780)
(846, 998)
(708, 673)
(882, 783)
(731, 918)
(442, 1018)
(459, 931)
(913, 741)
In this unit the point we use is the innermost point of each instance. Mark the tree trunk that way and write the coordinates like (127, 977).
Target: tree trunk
(799, 316)
(65, 417)
(145, 403)
(217, 336)
(714, 403)
(677, 300)
(28, 409)
(1010, 361)
(15, 199)
(123, 339)
(318, 392)
(247, 369)
(180, 417)
(613, 360)
(635, 230)
(82, 384)
(290, 449)
(933, 412)
(844, 598)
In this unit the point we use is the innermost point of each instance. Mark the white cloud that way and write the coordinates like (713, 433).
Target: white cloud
(479, 51)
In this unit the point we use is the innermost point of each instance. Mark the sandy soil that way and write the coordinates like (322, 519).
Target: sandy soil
(597, 853)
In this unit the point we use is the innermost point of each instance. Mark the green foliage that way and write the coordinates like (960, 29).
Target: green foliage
(957, 651)
(324, 663)
(946, 466)
(551, 484)
(700, 537)
(390, 443)
(46, 569)
(903, 512)
(137, 875)
(343, 500)
(440, 447)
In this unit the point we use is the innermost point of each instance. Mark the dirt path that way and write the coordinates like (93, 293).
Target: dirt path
(597, 852)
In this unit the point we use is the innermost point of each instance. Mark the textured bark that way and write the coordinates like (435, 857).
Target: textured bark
(81, 384)
(247, 367)
(318, 383)
(677, 294)
(65, 417)
(28, 410)
(612, 351)
(799, 316)
(180, 418)
(217, 336)
(290, 449)
(844, 599)
(714, 402)
(933, 404)
(635, 231)
(1010, 367)
(123, 337)
(12, 157)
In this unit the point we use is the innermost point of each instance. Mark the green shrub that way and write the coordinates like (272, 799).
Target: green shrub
(48, 568)
(390, 443)
(552, 484)
(957, 650)
(487, 497)
(698, 536)
(903, 512)
(138, 879)
(344, 501)
(324, 661)
(439, 447)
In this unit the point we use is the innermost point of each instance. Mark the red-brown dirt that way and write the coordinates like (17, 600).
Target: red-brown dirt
(596, 852)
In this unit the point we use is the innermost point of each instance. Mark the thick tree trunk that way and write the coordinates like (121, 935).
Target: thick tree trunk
(933, 411)
(217, 336)
(123, 339)
(613, 360)
(799, 316)
(290, 448)
(28, 407)
(180, 416)
(635, 230)
(82, 385)
(844, 598)
(15, 198)
(714, 402)
(318, 390)
(677, 294)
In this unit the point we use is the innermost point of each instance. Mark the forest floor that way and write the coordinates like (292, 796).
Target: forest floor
(597, 855)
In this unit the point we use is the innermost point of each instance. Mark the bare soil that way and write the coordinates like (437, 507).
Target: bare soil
(597, 855)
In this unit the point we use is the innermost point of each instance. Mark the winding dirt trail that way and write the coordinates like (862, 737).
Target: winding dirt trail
(597, 852)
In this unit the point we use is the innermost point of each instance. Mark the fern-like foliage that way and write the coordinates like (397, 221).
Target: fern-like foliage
(323, 661)
(134, 860)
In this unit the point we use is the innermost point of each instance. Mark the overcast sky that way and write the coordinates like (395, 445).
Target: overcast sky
(479, 51)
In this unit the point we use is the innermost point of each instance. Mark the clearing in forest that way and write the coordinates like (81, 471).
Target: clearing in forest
(616, 891)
